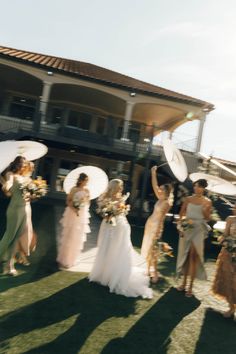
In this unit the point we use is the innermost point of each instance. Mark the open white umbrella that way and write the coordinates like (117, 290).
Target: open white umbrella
(8, 153)
(97, 183)
(220, 226)
(31, 150)
(175, 160)
(215, 183)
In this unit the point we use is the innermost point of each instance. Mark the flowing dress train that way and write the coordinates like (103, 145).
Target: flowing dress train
(70, 241)
(113, 266)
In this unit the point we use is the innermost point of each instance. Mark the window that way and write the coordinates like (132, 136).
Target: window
(55, 115)
(65, 167)
(79, 120)
(100, 125)
(23, 108)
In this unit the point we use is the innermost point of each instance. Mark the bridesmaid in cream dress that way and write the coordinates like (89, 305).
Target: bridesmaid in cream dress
(190, 260)
(154, 225)
(75, 224)
(224, 285)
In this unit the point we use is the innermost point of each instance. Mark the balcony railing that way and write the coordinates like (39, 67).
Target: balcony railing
(137, 142)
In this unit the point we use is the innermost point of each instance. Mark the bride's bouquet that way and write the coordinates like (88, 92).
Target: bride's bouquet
(184, 225)
(109, 208)
(34, 188)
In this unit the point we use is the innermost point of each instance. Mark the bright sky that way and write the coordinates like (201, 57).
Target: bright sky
(186, 46)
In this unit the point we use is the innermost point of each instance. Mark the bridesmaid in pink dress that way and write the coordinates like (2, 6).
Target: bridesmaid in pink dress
(154, 225)
(75, 224)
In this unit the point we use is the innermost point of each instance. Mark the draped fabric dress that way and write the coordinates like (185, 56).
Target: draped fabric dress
(70, 241)
(193, 236)
(16, 222)
(114, 263)
(152, 226)
(27, 241)
(224, 284)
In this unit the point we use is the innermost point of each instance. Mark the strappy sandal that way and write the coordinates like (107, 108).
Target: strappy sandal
(154, 276)
(189, 293)
(180, 288)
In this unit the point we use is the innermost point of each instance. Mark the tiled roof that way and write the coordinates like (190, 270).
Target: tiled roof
(99, 74)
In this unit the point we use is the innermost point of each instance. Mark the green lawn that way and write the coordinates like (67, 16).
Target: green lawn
(48, 311)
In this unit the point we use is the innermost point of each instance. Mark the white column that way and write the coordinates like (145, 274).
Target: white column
(200, 132)
(128, 116)
(44, 100)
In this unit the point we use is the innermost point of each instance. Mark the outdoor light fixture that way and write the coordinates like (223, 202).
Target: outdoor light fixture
(206, 110)
(189, 115)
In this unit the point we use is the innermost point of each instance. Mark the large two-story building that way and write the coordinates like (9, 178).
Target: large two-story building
(87, 114)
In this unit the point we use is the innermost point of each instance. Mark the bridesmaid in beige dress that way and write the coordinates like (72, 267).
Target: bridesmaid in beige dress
(190, 260)
(154, 225)
(224, 285)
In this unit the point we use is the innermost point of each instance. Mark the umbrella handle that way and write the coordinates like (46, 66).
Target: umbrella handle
(163, 164)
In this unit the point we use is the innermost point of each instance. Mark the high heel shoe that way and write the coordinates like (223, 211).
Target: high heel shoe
(12, 272)
(154, 277)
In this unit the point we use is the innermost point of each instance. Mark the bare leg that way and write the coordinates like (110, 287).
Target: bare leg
(186, 273)
(193, 263)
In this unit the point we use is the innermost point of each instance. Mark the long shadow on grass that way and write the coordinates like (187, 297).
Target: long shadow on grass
(92, 303)
(151, 334)
(217, 335)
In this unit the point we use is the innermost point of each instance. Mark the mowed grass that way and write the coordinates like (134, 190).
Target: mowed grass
(48, 311)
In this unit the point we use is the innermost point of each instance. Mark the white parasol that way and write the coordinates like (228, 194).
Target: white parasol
(8, 153)
(215, 183)
(31, 150)
(175, 160)
(97, 183)
(220, 226)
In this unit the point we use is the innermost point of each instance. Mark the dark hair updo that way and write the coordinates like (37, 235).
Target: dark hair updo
(201, 183)
(167, 188)
(82, 177)
(17, 165)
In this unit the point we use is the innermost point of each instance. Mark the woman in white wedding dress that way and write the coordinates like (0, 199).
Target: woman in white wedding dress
(113, 266)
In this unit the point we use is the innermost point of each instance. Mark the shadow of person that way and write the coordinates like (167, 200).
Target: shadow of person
(151, 334)
(92, 303)
(217, 334)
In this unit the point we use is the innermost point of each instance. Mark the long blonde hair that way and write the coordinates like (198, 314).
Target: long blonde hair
(113, 188)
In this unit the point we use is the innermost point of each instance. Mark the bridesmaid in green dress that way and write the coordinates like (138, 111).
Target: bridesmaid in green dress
(16, 215)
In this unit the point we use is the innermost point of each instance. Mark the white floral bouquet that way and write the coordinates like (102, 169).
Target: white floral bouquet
(109, 209)
(34, 188)
(184, 225)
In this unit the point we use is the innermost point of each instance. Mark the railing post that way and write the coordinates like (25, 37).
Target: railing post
(146, 172)
(128, 116)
